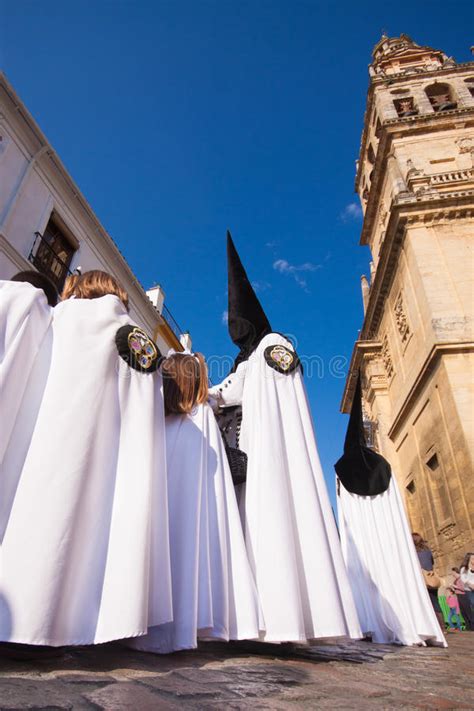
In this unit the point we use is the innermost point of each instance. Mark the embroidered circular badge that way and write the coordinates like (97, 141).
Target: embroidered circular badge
(281, 358)
(137, 349)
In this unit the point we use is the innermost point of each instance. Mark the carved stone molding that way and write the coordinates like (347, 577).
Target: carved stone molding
(420, 118)
(448, 531)
(371, 356)
(401, 319)
(387, 358)
(383, 214)
(465, 144)
(440, 215)
(412, 170)
(378, 382)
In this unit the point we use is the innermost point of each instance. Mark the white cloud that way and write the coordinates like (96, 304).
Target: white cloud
(352, 212)
(260, 286)
(225, 317)
(284, 267)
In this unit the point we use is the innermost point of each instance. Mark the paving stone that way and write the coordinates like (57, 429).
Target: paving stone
(439, 702)
(275, 678)
(16, 694)
(85, 678)
(174, 685)
(205, 675)
(274, 673)
(127, 695)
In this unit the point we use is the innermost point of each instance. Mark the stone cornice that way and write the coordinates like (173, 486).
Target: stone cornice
(419, 120)
(421, 211)
(438, 350)
(365, 349)
(361, 349)
(408, 75)
(408, 210)
(429, 198)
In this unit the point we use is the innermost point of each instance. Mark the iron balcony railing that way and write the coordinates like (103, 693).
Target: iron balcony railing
(172, 323)
(48, 262)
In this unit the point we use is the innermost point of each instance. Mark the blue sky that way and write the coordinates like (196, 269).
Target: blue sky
(181, 119)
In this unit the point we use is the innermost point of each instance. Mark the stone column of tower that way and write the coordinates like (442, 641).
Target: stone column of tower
(415, 178)
(365, 287)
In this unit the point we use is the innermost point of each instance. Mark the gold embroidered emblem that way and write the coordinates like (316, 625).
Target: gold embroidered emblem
(282, 357)
(142, 347)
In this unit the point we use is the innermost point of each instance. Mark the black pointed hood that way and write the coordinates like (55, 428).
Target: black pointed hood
(247, 321)
(361, 470)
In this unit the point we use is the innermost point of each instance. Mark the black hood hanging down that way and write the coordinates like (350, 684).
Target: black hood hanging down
(247, 321)
(361, 470)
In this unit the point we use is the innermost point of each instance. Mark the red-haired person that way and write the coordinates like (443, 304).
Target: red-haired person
(85, 556)
(214, 595)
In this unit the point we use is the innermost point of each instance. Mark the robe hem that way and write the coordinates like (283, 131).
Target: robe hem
(295, 638)
(44, 642)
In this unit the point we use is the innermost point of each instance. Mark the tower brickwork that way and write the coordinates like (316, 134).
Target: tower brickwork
(415, 180)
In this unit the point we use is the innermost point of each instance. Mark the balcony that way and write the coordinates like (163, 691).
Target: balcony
(172, 323)
(456, 180)
(54, 264)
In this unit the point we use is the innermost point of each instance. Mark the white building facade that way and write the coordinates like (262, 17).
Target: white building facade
(47, 224)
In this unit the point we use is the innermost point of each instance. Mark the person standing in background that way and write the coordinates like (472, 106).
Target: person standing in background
(425, 556)
(467, 600)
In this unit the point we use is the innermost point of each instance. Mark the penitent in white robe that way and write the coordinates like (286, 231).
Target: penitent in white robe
(25, 346)
(214, 594)
(289, 526)
(85, 556)
(389, 590)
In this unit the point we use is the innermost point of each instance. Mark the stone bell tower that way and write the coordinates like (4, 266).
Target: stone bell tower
(415, 179)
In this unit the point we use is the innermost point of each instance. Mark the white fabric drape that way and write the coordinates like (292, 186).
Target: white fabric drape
(214, 594)
(289, 526)
(388, 586)
(85, 556)
(25, 346)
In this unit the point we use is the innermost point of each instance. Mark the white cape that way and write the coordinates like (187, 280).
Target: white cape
(289, 526)
(214, 593)
(388, 586)
(25, 344)
(85, 556)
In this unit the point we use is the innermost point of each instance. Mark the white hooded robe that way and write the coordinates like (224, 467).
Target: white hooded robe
(85, 555)
(214, 594)
(389, 590)
(289, 526)
(25, 351)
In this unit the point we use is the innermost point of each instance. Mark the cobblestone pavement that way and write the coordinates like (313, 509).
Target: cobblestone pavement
(248, 676)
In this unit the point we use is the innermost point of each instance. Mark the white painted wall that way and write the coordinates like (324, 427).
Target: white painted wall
(33, 185)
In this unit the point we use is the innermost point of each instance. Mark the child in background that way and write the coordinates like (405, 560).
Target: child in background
(454, 619)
